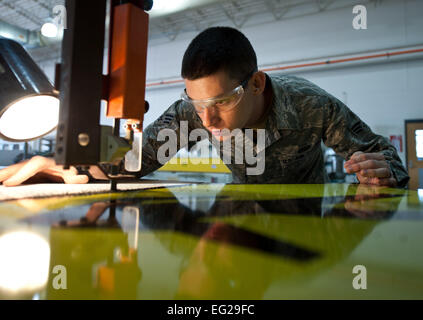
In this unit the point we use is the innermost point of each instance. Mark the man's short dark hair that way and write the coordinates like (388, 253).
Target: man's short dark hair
(219, 49)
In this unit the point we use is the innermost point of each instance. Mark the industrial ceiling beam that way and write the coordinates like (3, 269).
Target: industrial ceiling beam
(23, 12)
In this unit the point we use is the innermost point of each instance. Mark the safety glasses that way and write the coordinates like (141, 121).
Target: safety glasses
(222, 103)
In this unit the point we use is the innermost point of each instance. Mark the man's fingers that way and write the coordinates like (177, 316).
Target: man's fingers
(72, 170)
(357, 153)
(75, 179)
(361, 156)
(29, 169)
(367, 164)
(388, 182)
(39, 169)
(6, 173)
(69, 176)
(376, 173)
(354, 157)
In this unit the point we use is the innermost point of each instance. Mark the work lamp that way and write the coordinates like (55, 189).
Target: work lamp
(29, 104)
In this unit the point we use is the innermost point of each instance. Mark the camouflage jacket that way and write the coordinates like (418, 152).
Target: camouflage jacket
(302, 115)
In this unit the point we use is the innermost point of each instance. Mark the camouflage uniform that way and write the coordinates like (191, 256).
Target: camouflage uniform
(301, 116)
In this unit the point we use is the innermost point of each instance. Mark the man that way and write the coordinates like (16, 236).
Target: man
(224, 90)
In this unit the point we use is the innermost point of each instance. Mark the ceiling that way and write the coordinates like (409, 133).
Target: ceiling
(27, 14)
(170, 18)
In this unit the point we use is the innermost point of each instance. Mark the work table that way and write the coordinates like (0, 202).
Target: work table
(215, 241)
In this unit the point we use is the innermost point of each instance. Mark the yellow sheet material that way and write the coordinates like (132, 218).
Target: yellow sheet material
(206, 165)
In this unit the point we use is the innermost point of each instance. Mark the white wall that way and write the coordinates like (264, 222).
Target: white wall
(382, 94)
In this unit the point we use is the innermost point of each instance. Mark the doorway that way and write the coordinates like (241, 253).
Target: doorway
(414, 152)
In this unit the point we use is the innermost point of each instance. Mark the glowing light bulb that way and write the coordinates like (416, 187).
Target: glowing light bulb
(49, 30)
(30, 118)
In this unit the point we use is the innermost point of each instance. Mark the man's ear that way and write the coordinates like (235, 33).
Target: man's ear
(259, 82)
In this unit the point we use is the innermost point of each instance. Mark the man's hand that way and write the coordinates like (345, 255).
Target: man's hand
(37, 170)
(371, 168)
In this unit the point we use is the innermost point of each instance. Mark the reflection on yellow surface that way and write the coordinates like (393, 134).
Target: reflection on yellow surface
(24, 262)
(234, 242)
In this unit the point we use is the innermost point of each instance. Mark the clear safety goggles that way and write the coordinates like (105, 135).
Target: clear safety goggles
(222, 103)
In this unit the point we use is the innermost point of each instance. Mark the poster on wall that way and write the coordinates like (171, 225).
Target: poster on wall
(396, 142)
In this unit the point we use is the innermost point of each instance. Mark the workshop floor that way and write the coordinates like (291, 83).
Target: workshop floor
(215, 241)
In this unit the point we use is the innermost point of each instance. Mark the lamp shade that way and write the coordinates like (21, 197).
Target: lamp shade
(29, 105)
